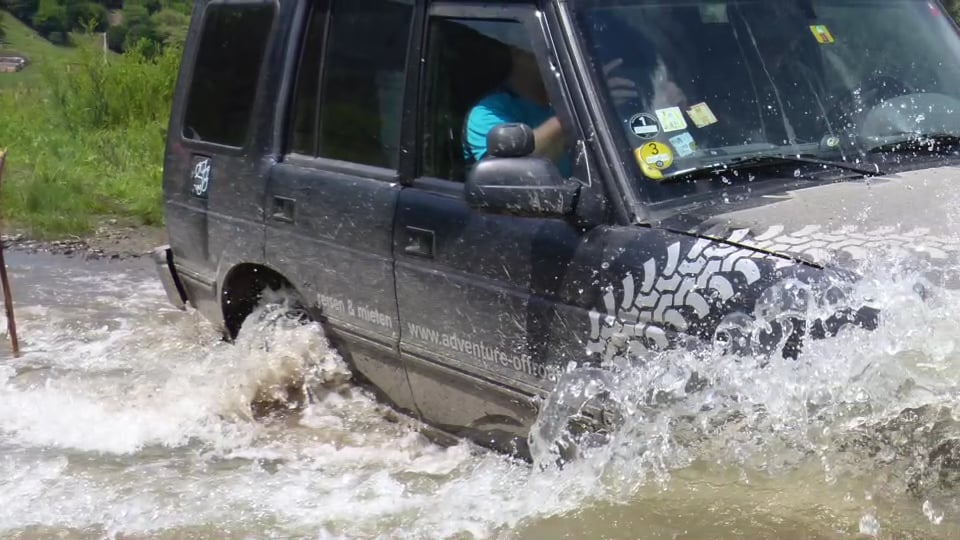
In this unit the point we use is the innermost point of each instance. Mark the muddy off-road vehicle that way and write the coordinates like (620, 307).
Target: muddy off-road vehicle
(724, 169)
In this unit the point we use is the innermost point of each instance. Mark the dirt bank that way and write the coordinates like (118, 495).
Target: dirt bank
(111, 240)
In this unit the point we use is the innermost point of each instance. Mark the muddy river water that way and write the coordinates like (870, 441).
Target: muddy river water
(127, 419)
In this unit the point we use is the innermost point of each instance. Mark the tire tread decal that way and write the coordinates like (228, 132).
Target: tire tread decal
(712, 271)
(820, 245)
(644, 315)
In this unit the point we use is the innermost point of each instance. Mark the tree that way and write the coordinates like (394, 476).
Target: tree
(21, 9)
(3, 33)
(87, 16)
(51, 20)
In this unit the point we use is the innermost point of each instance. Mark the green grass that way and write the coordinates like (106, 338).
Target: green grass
(20, 39)
(85, 135)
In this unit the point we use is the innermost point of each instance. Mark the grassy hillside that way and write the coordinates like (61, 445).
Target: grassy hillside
(85, 133)
(23, 40)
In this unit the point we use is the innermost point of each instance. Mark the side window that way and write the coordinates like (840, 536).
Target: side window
(303, 118)
(469, 61)
(361, 100)
(226, 71)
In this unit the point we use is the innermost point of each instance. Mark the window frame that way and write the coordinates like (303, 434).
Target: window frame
(261, 81)
(334, 165)
(532, 18)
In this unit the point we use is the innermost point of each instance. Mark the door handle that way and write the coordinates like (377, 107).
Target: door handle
(283, 208)
(419, 242)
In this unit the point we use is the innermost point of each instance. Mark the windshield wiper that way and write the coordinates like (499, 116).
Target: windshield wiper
(933, 143)
(774, 160)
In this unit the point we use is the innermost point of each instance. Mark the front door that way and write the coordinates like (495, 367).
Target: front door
(479, 294)
(331, 201)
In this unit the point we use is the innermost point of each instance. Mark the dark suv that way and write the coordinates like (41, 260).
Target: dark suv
(727, 168)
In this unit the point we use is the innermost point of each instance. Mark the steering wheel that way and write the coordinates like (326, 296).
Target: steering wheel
(872, 91)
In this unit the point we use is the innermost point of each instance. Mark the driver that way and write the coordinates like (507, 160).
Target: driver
(523, 98)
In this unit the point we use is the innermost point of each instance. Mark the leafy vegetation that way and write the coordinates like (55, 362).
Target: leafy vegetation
(126, 23)
(86, 134)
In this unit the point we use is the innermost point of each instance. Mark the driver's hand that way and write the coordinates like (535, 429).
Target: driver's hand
(621, 89)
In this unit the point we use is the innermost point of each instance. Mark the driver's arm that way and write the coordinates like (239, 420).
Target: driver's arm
(549, 139)
(548, 136)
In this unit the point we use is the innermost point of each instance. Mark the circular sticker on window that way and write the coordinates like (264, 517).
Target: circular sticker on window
(644, 125)
(653, 158)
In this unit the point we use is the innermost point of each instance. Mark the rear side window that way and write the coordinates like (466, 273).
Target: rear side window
(226, 72)
(362, 94)
(303, 124)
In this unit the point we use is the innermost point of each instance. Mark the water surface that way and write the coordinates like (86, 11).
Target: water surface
(128, 419)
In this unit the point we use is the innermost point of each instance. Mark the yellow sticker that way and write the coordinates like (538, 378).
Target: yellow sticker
(701, 115)
(822, 33)
(653, 158)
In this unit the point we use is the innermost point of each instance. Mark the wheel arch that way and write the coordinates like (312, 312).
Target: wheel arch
(242, 289)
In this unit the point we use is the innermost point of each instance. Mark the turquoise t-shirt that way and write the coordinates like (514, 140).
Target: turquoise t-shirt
(504, 107)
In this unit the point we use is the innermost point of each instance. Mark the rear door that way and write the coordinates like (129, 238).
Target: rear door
(214, 176)
(331, 200)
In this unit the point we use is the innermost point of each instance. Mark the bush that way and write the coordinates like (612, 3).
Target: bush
(89, 142)
(171, 25)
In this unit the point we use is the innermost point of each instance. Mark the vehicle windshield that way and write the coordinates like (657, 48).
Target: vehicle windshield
(695, 83)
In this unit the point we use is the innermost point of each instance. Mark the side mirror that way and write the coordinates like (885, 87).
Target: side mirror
(510, 140)
(511, 183)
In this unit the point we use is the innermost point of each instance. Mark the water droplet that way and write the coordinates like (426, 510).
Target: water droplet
(935, 516)
(869, 524)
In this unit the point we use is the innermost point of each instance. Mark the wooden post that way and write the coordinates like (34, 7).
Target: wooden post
(7, 293)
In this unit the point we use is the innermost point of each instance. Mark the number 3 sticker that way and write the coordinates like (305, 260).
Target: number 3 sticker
(654, 157)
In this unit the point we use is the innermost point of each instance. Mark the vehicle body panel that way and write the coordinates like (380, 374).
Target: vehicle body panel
(331, 234)
(840, 223)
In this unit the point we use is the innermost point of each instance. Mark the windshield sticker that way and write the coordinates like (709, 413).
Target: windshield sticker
(822, 33)
(654, 157)
(644, 125)
(671, 119)
(701, 115)
(683, 144)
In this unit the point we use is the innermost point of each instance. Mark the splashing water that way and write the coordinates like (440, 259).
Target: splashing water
(128, 419)
(874, 412)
